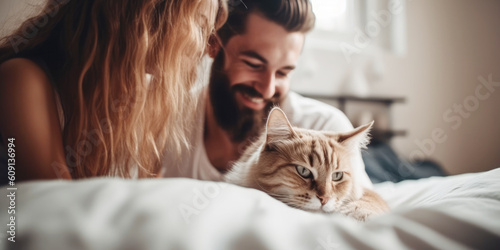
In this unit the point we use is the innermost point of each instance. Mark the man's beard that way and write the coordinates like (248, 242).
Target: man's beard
(240, 123)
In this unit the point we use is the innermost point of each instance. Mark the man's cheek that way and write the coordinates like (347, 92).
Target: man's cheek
(283, 88)
(240, 77)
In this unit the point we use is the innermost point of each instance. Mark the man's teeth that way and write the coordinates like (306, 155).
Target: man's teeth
(257, 100)
(254, 99)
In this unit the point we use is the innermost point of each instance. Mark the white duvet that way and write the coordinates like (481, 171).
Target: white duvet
(457, 212)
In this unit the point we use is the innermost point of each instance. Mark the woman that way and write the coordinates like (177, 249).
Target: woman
(100, 87)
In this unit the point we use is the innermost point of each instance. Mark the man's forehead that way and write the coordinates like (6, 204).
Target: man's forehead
(268, 39)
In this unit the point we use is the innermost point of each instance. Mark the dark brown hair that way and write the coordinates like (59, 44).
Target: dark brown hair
(293, 15)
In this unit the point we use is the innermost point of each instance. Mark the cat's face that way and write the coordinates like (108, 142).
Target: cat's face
(307, 169)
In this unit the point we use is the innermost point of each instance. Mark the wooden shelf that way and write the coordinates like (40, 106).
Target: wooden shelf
(343, 100)
(387, 133)
(379, 99)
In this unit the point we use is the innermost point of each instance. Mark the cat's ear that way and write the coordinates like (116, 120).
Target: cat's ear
(278, 127)
(358, 138)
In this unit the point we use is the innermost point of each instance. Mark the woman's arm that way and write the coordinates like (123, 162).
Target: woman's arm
(28, 113)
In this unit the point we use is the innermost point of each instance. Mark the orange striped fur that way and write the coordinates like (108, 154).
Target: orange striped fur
(307, 169)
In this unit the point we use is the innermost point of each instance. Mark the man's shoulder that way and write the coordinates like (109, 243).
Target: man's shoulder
(312, 114)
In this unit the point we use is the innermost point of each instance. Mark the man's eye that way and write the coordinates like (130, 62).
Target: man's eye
(251, 65)
(281, 74)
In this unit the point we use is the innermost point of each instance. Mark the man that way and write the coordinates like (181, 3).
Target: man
(254, 54)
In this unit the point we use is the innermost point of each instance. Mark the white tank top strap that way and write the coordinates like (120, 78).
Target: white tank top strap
(60, 112)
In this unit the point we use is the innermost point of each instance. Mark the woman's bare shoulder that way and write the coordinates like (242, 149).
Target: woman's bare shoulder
(24, 86)
(29, 114)
(22, 73)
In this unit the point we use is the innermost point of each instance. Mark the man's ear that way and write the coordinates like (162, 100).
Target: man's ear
(213, 46)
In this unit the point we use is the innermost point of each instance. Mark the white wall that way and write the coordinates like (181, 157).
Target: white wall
(13, 12)
(450, 44)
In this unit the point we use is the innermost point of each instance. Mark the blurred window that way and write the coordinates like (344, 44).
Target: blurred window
(333, 15)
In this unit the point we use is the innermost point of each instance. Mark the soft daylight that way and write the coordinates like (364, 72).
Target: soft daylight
(249, 124)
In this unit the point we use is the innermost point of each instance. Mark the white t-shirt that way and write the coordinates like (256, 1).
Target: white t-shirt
(301, 112)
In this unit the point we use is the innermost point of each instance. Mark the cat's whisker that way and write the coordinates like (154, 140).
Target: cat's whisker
(300, 203)
(269, 192)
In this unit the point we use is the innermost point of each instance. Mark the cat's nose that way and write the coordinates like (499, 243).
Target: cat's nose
(323, 199)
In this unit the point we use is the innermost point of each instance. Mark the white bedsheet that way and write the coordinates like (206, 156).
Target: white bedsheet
(457, 212)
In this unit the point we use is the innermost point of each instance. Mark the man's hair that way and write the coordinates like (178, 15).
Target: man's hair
(293, 15)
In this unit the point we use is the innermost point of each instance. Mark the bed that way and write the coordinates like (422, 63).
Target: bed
(455, 212)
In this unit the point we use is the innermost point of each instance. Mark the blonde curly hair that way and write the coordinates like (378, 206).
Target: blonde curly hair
(122, 69)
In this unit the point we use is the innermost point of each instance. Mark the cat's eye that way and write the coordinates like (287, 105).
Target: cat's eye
(304, 172)
(337, 176)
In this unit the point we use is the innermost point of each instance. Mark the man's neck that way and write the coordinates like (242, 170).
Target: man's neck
(220, 150)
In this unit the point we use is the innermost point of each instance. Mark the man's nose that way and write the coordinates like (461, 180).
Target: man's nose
(266, 86)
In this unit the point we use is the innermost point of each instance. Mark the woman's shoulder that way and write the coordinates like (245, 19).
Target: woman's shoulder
(28, 113)
(22, 73)
(25, 90)
(24, 83)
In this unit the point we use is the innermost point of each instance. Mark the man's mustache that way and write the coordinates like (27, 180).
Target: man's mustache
(250, 91)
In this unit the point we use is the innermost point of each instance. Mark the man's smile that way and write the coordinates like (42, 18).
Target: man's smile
(249, 97)
(253, 99)
(255, 103)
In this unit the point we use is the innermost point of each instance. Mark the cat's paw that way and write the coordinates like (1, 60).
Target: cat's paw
(362, 214)
(370, 205)
(359, 212)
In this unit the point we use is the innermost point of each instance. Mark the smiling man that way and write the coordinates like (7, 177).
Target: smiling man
(254, 54)
(250, 73)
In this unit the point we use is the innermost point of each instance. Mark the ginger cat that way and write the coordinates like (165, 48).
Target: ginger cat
(307, 169)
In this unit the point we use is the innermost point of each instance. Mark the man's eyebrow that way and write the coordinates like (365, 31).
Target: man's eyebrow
(255, 55)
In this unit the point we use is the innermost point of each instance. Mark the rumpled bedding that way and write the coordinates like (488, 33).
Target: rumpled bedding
(455, 212)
